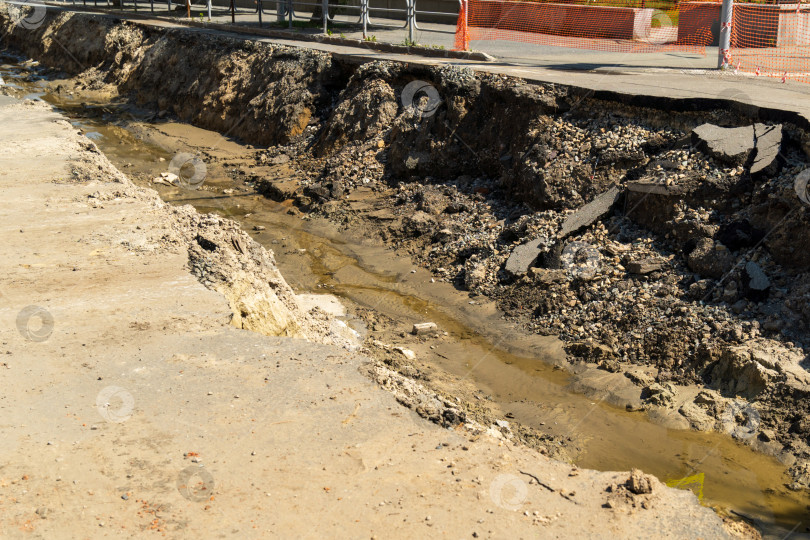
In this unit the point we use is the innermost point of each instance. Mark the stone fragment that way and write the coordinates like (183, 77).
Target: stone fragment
(658, 394)
(756, 282)
(768, 146)
(590, 213)
(710, 259)
(732, 146)
(639, 483)
(758, 145)
(546, 276)
(419, 223)
(523, 256)
(591, 350)
(698, 418)
(644, 266)
(475, 274)
(407, 353)
(425, 329)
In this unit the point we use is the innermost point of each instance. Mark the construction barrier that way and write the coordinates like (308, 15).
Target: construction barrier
(768, 39)
(771, 40)
(604, 25)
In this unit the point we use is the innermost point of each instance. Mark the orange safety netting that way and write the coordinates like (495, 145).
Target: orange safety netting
(604, 25)
(771, 40)
(767, 38)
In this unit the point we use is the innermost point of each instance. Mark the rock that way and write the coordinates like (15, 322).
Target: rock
(639, 483)
(591, 351)
(768, 146)
(700, 289)
(430, 201)
(649, 187)
(280, 159)
(167, 178)
(756, 282)
(545, 276)
(443, 236)
(419, 223)
(639, 378)
(644, 266)
(733, 146)
(382, 215)
(475, 274)
(710, 259)
(709, 398)
(730, 292)
(425, 329)
(502, 424)
(758, 145)
(590, 213)
(657, 394)
(523, 256)
(279, 189)
(738, 374)
(407, 353)
(767, 435)
(698, 418)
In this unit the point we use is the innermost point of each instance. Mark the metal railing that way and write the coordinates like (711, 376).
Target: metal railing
(287, 11)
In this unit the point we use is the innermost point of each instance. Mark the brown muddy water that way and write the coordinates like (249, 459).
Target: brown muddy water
(515, 371)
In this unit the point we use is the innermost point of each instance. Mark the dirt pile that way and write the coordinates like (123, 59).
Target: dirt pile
(696, 276)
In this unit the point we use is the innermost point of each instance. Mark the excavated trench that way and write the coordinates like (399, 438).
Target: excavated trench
(430, 208)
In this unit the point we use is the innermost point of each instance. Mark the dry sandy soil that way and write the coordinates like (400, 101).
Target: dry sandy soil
(136, 403)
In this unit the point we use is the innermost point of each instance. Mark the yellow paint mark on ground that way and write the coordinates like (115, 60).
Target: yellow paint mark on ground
(693, 483)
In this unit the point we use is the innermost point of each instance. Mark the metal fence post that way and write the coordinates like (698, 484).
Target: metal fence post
(168, 5)
(411, 17)
(208, 9)
(289, 13)
(726, 22)
(259, 11)
(325, 7)
(364, 16)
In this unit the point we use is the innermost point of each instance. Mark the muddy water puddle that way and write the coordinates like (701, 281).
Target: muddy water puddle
(514, 371)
